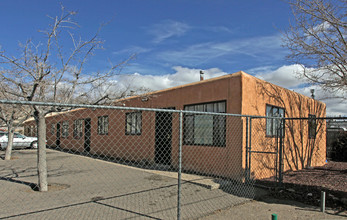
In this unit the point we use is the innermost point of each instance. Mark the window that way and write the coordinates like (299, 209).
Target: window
(65, 132)
(103, 125)
(17, 135)
(273, 124)
(312, 126)
(202, 129)
(78, 128)
(52, 129)
(133, 124)
(33, 131)
(28, 132)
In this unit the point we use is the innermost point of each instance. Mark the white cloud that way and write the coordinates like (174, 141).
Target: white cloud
(181, 76)
(284, 76)
(168, 29)
(251, 46)
(322, 27)
(132, 50)
(199, 53)
(287, 77)
(216, 29)
(335, 106)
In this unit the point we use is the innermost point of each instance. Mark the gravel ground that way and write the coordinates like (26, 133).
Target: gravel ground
(331, 177)
(306, 185)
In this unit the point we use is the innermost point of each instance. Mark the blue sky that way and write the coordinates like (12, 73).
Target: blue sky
(173, 40)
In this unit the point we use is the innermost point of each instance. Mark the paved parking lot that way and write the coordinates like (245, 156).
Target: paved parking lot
(86, 188)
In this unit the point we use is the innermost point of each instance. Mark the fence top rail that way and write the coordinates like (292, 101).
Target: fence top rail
(53, 104)
(318, 118)
(73, 106)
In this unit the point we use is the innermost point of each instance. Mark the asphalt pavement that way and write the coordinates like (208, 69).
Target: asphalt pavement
(82, 187)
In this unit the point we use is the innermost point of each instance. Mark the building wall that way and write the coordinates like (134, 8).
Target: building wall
(114, 144)
(300, 151)
(243, 94)
(224, 161)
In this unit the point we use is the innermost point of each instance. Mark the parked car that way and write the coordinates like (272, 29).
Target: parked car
(19, 141)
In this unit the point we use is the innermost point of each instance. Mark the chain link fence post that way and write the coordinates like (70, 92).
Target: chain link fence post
(179, 166)
(281, 143)
(250, 147)
(247, 151)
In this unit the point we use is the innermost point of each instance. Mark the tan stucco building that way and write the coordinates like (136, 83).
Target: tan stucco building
(228, 143)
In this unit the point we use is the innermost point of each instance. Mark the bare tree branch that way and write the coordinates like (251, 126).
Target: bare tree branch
(54, 72)
(316, 40)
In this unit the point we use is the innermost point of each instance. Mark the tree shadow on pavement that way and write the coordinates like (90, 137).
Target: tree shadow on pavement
(98, 201)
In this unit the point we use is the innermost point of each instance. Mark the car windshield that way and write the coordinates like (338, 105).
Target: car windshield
(17, 135)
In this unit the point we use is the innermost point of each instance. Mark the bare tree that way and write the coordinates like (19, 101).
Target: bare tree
(317, 40)
(53, 71)
(12, 116)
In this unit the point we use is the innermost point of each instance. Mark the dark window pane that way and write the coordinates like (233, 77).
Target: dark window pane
(188, 129)
(206, 129)
(273, 124)
(133, 123)
(103, 125)
(312, 126)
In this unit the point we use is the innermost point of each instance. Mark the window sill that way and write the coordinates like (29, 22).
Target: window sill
(128, 134)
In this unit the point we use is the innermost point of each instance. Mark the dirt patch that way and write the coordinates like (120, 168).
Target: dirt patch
(306, 185)
(332, 176)
(52, 187)
(14, 158)
(57, 187)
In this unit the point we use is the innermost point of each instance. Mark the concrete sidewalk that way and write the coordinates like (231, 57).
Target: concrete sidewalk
(87, 188)
(284, 209)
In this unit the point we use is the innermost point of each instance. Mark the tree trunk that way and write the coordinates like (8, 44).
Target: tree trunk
(41, 152)
(9, 143)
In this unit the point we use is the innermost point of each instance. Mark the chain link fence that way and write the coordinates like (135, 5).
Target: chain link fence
(263, 150)
(107, 162)
(289, 144)
(337, 139)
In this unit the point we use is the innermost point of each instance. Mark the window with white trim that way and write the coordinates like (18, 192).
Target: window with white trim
(103, 125)
(65, 132)
(133, 123)
(78, 128)
(52, 129)
(273, 124)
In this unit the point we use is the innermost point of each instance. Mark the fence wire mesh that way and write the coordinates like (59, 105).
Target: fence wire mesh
(122, 163)
(264, 149)
(337, 139)
(107, 162)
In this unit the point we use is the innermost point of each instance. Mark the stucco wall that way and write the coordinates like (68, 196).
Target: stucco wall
(224, 161)
(299, 149)
(244, 94)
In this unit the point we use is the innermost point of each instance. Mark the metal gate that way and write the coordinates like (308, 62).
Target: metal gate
(264, 150)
